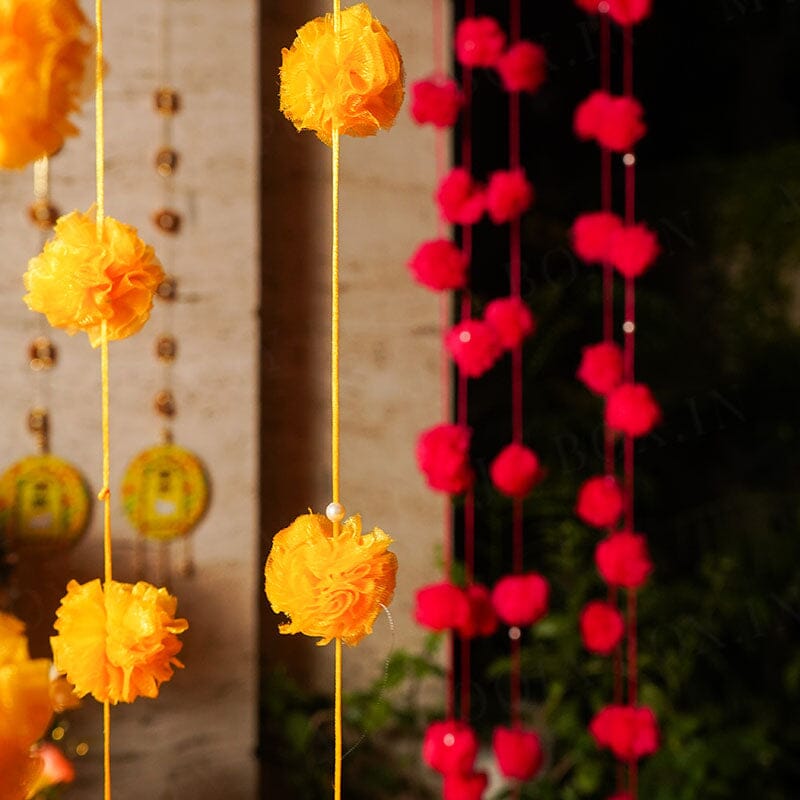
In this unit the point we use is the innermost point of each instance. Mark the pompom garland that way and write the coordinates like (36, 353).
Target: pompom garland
(461, 199)
(331, 584)
(352, 83)
(591, 235)
(516, 470)
(508, 195)
(600, 501)
(614, 122)
(439, 265)
(442, 606)
(518, 753)
(632, 410)
(511, 320)
(630, 732)
(443, 457)
(521, 600)
(117, 641)
(436, 101)
(45, 48)
(633, 249)
(481, 619)
(523, 67)
(464, 787)
(78, 281)
(602, 627)
(601, 367)
(450, 747)
(474, 347)
(622, 560)
(479, 42)
(629, 12)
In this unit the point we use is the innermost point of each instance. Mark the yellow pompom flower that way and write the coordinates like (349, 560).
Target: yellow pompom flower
(78, 280)
(117, 641)
(44, 45)
(331, 586)
(354, 85)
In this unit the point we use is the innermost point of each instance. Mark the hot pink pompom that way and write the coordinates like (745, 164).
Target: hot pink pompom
(515, 470)
(523, 67)
(443, 457)
(600, 501)
(630, 732)
(461, 199)
(510, 319)
(521, 600)
(473, 346)
(601, 367)
(631, 409)
(481, 619)
(602, 627)
(441, 606)
(450, 747)
(629, 12)
(509, 195)
(518, 753)
(615, 122)
(622, 560)
(436, 101)
(465, 787)
(439, 265)
(479, 42)
(591, 235)
(588, 5)
(632, 249)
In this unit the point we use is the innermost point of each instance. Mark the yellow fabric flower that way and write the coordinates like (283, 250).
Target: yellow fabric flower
(44, 45)
(78, 281)
(331, 586)
(117, 641)
(354, 85)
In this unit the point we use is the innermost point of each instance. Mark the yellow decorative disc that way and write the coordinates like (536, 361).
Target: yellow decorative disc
(44, 503)
(165, 492)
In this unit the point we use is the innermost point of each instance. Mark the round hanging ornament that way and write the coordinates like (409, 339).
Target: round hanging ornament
(44, 504)
(165, 492)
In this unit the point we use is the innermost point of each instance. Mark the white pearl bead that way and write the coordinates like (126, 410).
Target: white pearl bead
(335, 512)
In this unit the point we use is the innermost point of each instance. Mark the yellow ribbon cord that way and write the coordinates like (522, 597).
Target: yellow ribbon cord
(337, 778)
(99, 116)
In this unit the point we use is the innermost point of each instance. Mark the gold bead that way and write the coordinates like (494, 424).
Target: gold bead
(165, 404)
(167, 220)
(168, 101)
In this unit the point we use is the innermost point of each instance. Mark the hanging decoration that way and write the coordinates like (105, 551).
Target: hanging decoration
(621, 245)
(343, 75)
(165, 488)
(115, 641)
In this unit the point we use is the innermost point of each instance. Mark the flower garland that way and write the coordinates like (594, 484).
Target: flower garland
(343, 75)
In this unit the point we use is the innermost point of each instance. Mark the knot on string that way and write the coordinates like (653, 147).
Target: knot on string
(104, 494)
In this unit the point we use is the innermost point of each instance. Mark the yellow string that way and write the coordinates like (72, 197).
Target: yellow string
(337, 781)
(99, 116)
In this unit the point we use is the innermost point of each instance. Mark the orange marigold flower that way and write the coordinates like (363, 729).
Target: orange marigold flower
(354, 84)
(78, 281)
(117, 641)
(330, 585)
(44, 45)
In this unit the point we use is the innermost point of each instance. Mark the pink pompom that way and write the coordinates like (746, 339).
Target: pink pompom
(602, 627)
(631, 409)
(601, 367)
(600, 501)
(591, 6)
(443, 457)
(436, 101)
(509, 195)
(590, 113)
(515, 470)
(439, 265)
(518, 753)
(510, 319)
(441, 606)
(615, 122)
(479, 42)
(521, 600)
(481, 619)
(629, 12)
(591, 235)
(632, 249)
(461, 200)
(630, 732)
(473, 346)
(523, 67)
(465, 787)
(450, 747)
(622, 560)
